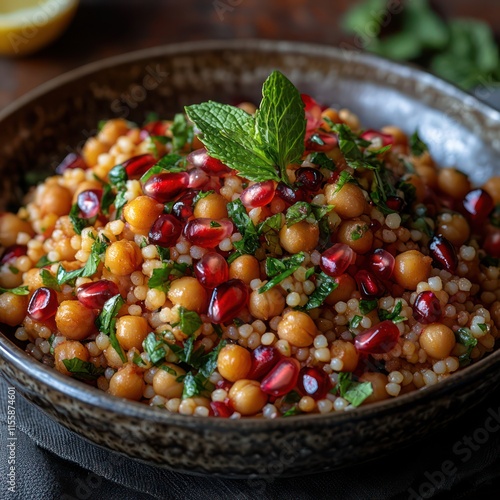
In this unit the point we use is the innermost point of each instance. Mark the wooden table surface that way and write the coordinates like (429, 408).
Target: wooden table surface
(104, 28)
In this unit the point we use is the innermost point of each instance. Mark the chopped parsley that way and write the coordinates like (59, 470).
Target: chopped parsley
(355, 321)
(249, 243)
(49, 280)
(417, 145)
(306, 211)
(189, 321)
(270, 229)
(351, 390)
(44, 261)
(162, 276)
(83, 370)
(464, 336)
(278, 269)
(169, 163)
(79, 223)
(325, 285)
(20, 290)
(155, 346)
(106, 322)
(182, 132)
(322, 161)
(367, 306)
(394, 316)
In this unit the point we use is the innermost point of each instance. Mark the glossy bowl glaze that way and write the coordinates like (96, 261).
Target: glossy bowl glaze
(39, 129)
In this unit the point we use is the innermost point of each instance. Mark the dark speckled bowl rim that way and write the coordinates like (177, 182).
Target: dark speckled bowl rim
(90, 395)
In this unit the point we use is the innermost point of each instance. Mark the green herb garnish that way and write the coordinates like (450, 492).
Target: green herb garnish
(154, 345)
(19, 290)
(325, 285)
(83, 370)
(353, 391)
(367, 306)
(106, 322)
(250, 237)
(394, 316)
(417, 146)
(278, 270)
(464, 336)
(49, 280)
(162, 276)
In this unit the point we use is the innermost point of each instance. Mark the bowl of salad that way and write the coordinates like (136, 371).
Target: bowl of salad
(250, 258)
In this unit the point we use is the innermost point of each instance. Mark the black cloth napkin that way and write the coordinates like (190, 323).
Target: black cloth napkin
(54, 463)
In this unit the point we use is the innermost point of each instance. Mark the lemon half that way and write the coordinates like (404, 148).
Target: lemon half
(28, 25)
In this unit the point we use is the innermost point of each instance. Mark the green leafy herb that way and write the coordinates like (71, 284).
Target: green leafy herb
(394, 316)
(306, 211)
(250, 237)
(409, 192)
(291, 398)
(13, 270)
(325, 285)
(106, 322)
(200, 195)
(349, 144)
(208, 362)
(44, 261)
(137, 360)
(367, 306)
(117, 175)
(182, 132)
(353, 391)
(118, 178)
(107, 199)
(161, 277)
(79, 223)
(344, 177)
(417, 145)
(164, 253)
(20, 290)
(278, 270)
(193, 385)
(169, 163)
(270, 229)
(294, 410)
(83, 370)
(154, 345)
(322, 161)
(464, 336)
(483, 327)
(189, 321)
(355, 321)
(214, 223)
(359, 231)
(49, 280)
(151, 116)
(489, 261)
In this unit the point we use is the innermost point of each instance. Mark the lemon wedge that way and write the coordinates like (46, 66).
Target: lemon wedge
(28, 25)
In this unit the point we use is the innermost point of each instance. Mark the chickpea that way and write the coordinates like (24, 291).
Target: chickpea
(13, 308)
(399, 136)
(64, 249)
(127, 383)
(301, 237)
(378, 381)
(74, 320)
(266, 305)
(113, 129)
(348, 201)
(492, 187)
(344, 291)
(234, 362)
(84, 186)
(248, 107)
(123, 257)
(33, 279)
(347, 353)
(495, 313)
(141, 213)
(69, 350)
(453, 182)
(437, 340)
(55, 199)
(356, 234)
(245, 268)
(213, 206)
(165, 381)
(412, 267)
(10, 226)
(297, 328)
(428, 174)
(457, 231)
(247, 397)
(92, 149)
(131, 331)
(189, 293)
(112, 357)
(418, 183)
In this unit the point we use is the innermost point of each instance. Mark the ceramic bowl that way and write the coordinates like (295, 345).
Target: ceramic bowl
(42, 127)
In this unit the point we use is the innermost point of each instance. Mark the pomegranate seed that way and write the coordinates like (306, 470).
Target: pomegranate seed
(263, 359)
(337, 259)
(154, 128)
(13, 252)
(321, 141)
(43, 304)
(310, 178)
(427, 308)
(165, 231)
(375, 225)
(94, 295)
(395, 203)
(478, 204)
(258, 194)
(221, 409)
(313, 112)
(166, 186)
(183, 207)
(207, 233)
(289, 195)
(138, 165)
(282, 378)
(368, 285)
(72, 160)
(197, 178)
(443, 253)
(381, 262)
(211, 270)
(227, 301)
(89, 202)
(200, 158)
(313, 382)
(373, 135)
(492, 244)
(378, 339)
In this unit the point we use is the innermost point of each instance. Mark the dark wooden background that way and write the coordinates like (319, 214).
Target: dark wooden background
(104, 28)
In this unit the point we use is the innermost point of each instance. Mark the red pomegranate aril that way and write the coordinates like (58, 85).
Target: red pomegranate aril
(491, 244)
(94, 295)
(321, 141)
(200, 158)
(264, 358)
(211, 270)
(478, 204)
(183, 208)
(310, 178)
(221, 409)
(227, 301)
(374, 135)
(368, 285)
(165, 231)
(313, 382)
(207, 233)
(381, 263)
(312, 111)
(427, 308)
(289, 195)
(282, 378)
(258, 194)
(166, 186)
(337, 259)
(443, 253)
(378, 339)
(138, 165)
(72, 160)
(154, 128)
(395, 203)
(43, 304)
(197, 178)
(13, 252)
(89, 202)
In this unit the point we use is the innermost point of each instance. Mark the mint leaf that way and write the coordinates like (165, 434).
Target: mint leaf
(161, 277)
(305, 211)
(83, 370)
(281, 269)
(106, 323)
(182, 132)
(44, 261)
(394, 315)
(349, 144)
(193, 385)
(250, 241)
(154, 346)
(270, 229)
(49, 280)
(367, 306)
(355, 321)
(322, 161)
(208, 362)
(169, 163)
(189, 321)
(79, 223)
(464, 336)
(352, 391)
(20, 290)
(325, 285)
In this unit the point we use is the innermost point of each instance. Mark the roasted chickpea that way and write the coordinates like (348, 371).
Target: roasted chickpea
(428, 174)
(301, 237)
(356, 234)
(92, 149)
(123, 257)
(127, 383)
(247, 397)
(10, 226)
(74, 320)
(69, 350)
(457, 230)
(113, 129)
(141, 213)
(165, 381)
(344, 291)
(347, 353)
(55, 199)
(412, 267)
(245, 268)
(189, 293)
(492, 187)
(437, 340)
(33, 279)
(297, 328)
(131, 331)
(13, 308)
(234, 362)
(112, 357)
(378, 381)
(348, 201)
(266, 305)
(453, 182)
(399, 136)
(213, 206)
